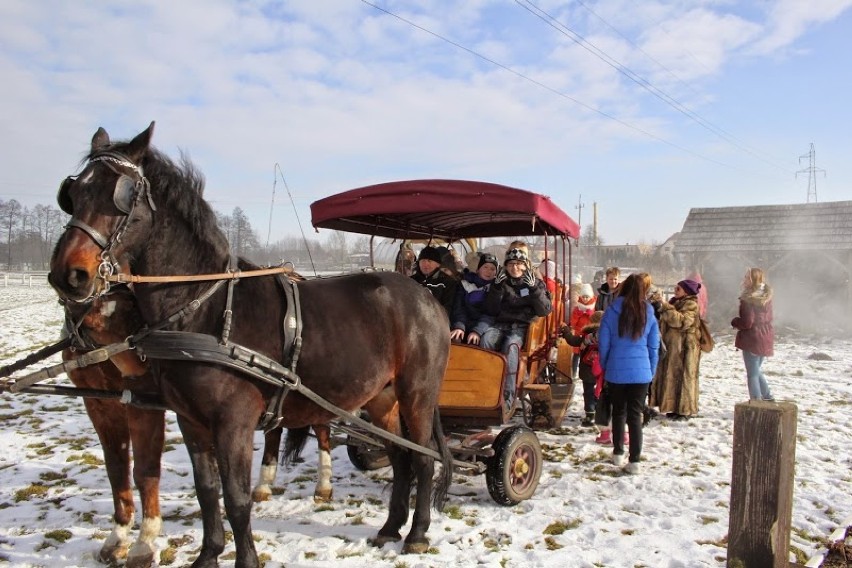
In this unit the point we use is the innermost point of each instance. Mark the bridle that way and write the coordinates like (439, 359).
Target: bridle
(128, 193)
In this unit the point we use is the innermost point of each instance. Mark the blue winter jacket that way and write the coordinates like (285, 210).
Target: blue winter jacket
(624, 359)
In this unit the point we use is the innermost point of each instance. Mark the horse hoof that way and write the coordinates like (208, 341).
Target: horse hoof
(112, 553)
(415, 547)
(261, 495)
(380, 540)
(322, 496)
(140, 556)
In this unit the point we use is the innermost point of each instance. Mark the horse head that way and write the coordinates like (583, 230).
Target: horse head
(108, 198)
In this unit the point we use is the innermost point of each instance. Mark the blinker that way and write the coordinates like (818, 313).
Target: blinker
(122, 197)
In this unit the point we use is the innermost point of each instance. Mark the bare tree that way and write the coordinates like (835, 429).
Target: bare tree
(10, 216)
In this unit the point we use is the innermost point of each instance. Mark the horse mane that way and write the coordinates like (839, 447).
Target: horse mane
(177, 187)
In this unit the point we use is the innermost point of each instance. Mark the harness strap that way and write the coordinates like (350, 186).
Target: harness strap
(42, 353)
(86, 359)
(93, 233)
(188, 346)
(292, 348)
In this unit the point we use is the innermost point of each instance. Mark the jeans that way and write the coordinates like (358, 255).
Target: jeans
(628, 401)
(507, 338)
(575, 366)
(758, 388)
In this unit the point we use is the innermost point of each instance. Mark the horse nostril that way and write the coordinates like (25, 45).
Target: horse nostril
(77, 278)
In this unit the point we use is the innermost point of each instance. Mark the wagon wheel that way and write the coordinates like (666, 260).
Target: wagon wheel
(366, 457)
(512, 474)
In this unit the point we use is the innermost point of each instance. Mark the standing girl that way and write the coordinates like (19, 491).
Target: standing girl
(629, 345)
(755, 335)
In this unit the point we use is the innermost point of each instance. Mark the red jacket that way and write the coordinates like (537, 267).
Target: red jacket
(754, 323)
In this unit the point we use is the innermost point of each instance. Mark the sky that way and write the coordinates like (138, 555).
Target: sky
(585, 513)
(638, 110)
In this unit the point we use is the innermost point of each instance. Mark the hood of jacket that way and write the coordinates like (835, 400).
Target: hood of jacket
(758, 297)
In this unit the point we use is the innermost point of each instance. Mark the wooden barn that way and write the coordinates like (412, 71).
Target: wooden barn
(805, 249)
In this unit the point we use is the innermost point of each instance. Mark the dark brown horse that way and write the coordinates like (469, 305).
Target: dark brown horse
(110, 319)
(376, 341)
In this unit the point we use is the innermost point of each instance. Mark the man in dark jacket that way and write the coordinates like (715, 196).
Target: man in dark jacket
(429, 274)
(515, 299)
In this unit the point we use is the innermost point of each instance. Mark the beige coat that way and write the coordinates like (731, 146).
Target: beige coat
(675, 385)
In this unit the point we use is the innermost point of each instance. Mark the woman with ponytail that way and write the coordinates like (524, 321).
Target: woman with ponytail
(629, 342)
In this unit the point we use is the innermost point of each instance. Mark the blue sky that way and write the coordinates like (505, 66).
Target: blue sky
(534, 94)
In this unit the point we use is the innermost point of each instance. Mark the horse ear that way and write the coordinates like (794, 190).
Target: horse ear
(100, 139)
(139, 145)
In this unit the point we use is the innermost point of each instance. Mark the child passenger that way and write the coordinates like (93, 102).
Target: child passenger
(469, 320)
(579, 318)
(515, 300)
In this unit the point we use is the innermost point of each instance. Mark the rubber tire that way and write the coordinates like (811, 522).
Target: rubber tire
(364, 458)
(516, 447)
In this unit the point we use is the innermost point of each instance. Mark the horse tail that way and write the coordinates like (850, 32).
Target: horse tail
(295, 443)
(442, 487)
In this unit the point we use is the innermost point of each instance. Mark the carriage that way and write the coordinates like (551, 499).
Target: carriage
(480, 426)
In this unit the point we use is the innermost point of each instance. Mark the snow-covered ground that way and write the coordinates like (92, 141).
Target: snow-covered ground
(585, 513)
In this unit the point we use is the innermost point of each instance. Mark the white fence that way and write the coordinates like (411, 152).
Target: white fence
(23, 278)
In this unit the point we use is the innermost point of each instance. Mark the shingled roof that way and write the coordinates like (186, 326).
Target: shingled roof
(806, 226)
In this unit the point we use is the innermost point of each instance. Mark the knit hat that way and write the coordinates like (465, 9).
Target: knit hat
(586, 290)
(430, 253)
(487, 258)
(517, 254)
(691, 287)
(547, 268)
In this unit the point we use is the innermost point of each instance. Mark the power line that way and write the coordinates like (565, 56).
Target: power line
(551, 89)
(639, 80)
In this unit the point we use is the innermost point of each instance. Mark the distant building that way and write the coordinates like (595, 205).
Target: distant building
(806, 250)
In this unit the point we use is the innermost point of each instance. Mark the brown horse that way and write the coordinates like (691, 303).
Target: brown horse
(110, 319)
(132, 205)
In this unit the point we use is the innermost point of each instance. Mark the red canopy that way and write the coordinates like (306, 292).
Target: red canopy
(443, 209)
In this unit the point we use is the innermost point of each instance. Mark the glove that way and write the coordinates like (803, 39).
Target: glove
(501, 276)
(529, 278)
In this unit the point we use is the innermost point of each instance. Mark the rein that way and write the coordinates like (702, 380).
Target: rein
(230, 275)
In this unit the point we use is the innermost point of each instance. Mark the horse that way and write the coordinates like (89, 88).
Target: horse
(110, 319)
(132, 205)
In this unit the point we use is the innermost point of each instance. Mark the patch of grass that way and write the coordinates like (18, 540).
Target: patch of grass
(14, 415)
(86, 459)
(559, 527)
(551, 543)
(706, 520)
(323, 507)
(454, 512)
(59, 535)
(34, 490)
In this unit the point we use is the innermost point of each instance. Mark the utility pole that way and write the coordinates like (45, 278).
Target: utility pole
(579, 208)
(811, 171)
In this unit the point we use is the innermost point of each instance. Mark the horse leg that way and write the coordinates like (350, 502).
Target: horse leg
(147, 433)
(384, 413)
(418, 409)
(234, 454)
(323, 490)
(110, 421)
(268, 466)
(423, 467)
(205, 472)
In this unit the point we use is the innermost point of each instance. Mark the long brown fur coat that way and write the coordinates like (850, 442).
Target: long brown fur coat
(675, 385)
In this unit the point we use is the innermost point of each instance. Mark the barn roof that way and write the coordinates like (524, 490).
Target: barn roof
(805, 226)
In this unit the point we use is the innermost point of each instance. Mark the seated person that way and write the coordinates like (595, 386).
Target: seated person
(515, 299)
(429, 274)
(468, 317)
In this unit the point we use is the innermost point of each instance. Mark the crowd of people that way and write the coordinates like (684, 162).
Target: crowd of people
(643, 359)
(636, 352)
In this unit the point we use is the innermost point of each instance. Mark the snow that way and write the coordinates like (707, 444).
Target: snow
(673, 514)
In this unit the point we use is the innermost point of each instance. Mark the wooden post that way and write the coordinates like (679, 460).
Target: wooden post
(762, 477)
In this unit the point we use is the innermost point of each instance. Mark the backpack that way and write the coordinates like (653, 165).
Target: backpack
(705, 340)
